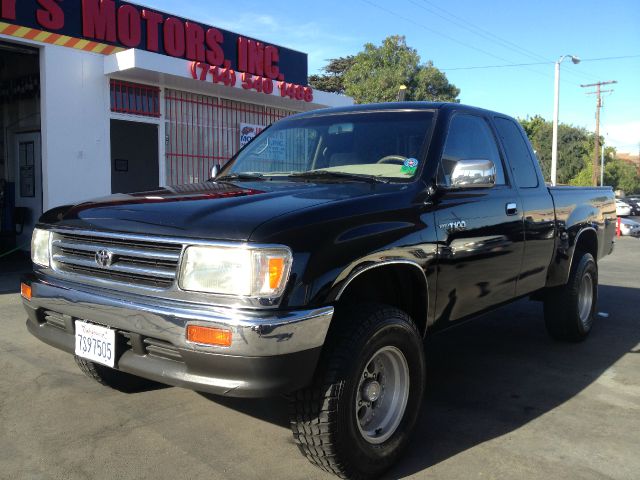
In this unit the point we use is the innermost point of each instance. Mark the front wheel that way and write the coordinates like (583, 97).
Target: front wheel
(569, 311)
(357, 417)
(124, 382)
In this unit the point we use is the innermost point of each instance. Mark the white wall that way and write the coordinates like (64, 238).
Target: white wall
(76, 162)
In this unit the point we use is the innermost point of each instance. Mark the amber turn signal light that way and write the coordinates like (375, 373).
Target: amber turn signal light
(209, 336)
(25, 291)
(276, 270)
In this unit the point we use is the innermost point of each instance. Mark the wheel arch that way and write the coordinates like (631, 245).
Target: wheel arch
(400, 283)
(586, 241)
(583, 239)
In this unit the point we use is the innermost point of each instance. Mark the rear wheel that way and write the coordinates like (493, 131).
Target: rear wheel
(357, 417)
(569, 311)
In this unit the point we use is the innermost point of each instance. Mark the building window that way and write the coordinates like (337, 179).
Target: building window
(203, 131)
(135, 99)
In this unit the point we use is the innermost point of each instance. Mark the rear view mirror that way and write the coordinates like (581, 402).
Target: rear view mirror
(215, 170)
(473, 174)
(338, 128)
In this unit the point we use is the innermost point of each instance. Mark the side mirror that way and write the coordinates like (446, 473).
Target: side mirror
(215, 170)
(473, 174)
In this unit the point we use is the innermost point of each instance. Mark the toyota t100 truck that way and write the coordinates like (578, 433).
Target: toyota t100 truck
(314, 264)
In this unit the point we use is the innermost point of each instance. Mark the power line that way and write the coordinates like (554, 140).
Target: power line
(455, 40)
(448, 37)
(538, 63)
(465, 24)
(609, 58)
(508, 65)
(490, 35)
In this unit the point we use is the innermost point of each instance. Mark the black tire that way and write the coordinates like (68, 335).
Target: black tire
(124, 382)
(563, 305)
(324, 420)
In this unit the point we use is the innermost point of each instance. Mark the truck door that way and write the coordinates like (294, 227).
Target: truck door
(537, 206)
(478, 221)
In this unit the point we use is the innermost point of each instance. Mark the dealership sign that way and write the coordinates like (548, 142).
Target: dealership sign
(248, 132)
(126, 25)
(276, 145)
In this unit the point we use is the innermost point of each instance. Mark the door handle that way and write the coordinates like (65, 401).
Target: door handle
(511, 208)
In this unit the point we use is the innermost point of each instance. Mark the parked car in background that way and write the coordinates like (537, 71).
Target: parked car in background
(623, 209)
(629, 227)
(634, 203)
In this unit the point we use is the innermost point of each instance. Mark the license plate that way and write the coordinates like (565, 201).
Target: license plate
(96, 343)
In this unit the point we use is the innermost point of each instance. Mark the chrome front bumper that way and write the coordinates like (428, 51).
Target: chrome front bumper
(272, 351)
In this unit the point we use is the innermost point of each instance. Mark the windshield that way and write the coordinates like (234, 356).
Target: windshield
(375, 144)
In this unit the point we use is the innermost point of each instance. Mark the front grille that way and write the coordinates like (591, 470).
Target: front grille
(133, 261)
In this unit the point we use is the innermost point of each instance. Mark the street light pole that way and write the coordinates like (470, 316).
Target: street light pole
(556, 107)
(556, 112)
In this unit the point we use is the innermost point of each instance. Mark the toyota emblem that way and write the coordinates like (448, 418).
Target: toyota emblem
(104, 258)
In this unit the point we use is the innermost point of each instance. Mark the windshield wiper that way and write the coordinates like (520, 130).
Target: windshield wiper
(332, 174)
(243, 176)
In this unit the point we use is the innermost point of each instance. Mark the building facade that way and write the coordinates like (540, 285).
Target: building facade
(104, 96)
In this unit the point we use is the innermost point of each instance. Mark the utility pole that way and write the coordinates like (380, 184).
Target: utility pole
(598, 93)
(602, 167)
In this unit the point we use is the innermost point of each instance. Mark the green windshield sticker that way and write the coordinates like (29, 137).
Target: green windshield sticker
(410, 165)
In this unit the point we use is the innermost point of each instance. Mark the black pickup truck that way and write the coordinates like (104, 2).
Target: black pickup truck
(315, 263)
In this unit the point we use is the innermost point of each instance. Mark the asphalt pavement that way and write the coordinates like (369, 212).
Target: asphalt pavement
(503, 402)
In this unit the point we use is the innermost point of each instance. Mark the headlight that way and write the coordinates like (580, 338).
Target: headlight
(235, 271)
(40, 247)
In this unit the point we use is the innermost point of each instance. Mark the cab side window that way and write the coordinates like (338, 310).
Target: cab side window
(518, 153)
(469, 138)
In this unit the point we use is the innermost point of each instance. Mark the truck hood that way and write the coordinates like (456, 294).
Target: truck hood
(212, 210)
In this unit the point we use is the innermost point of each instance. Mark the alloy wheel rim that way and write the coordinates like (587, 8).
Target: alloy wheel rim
(382, 395)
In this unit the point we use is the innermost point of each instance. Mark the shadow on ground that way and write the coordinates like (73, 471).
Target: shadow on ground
(491, 376)
(273, 410)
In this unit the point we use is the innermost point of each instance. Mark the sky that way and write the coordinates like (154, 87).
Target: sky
(459, 34)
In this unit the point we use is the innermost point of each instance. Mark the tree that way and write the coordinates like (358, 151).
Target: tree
(333, 78)
(376, 74)
(432, 84)
(618, 174)
(575, 156)
(622, 175)
(575, 146)
(584, 177)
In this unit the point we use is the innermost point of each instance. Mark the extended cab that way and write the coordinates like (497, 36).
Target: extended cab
(315, 263)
